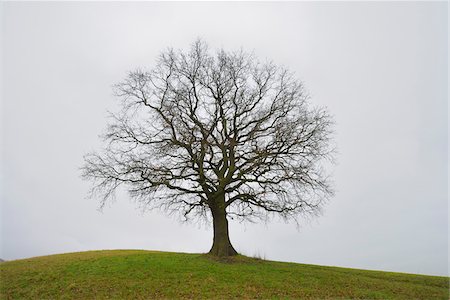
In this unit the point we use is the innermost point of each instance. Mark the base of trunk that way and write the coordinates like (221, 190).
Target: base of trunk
(223, 250)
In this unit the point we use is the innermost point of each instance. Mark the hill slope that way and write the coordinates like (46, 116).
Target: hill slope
(142, 274)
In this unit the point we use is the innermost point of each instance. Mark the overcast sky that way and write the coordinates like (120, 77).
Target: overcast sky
(380, 68)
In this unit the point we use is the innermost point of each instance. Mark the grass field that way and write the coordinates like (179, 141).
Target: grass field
(138, 274)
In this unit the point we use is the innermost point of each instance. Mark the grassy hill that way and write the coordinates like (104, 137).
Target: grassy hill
(138, 274)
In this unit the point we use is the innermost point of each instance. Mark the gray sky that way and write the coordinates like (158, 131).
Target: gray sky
(380, 67)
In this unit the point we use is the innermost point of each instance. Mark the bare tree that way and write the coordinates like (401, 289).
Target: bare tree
(215, 136)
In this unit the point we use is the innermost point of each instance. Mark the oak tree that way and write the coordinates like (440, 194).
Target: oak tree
(215, 135)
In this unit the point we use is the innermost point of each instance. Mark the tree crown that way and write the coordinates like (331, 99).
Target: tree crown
(201, 130)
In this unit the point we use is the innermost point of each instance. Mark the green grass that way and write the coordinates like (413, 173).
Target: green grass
(138, 274)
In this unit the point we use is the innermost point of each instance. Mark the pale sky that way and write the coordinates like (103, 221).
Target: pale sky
(380, 68)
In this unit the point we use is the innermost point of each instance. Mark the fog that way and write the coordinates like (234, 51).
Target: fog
(379, 67)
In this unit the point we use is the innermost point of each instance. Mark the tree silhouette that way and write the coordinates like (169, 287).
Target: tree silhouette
(215, 135)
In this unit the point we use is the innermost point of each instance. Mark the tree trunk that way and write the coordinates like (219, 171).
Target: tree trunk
(221, 243)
